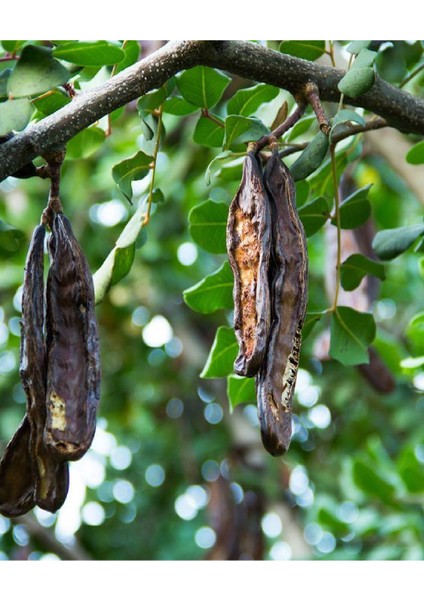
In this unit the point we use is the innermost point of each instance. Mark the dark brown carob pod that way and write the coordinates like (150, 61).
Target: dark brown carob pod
(276, 379)
(17, 490)
(73, 364)
(248, 247)
(51, 477)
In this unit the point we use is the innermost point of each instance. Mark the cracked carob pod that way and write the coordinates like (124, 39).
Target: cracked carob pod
(51, 478)
(248, 247)
(276, 379)
(72, 343)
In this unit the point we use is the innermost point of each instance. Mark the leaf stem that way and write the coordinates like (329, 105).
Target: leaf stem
(281, 129)
(208, 115)
(337, 216)
(146, 219)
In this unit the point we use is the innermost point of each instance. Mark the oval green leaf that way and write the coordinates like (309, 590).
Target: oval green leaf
(202, 86)
(356, 267)
(90, 54)
(213, 292)
(356, 82)
(15, 115)
(246, 101)
(240, 390)
(222, 354)
(351, 334)
(390, 243)
(208, 225)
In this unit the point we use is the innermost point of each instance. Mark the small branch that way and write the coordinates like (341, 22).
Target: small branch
(208, 115)
(281, 129)
(146, 219)
(411, 75)
(312, 96)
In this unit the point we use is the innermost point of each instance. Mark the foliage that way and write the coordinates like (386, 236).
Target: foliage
(175, 422)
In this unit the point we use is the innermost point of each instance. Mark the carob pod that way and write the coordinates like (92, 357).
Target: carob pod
(72, 343)
(275, 381)
(17, 490)
(311, 158)
(248, 247)
(51, 478)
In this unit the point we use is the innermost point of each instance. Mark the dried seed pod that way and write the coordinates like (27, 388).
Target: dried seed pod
(73, 364)
(51, 477)
(249, 246)
(276, 379)
(17, 492)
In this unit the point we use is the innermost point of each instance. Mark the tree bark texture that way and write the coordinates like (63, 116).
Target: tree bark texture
(250, 60)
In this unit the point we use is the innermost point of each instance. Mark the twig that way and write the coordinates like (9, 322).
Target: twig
(281, 129)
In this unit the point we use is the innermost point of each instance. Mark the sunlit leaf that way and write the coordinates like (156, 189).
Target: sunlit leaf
(90, 54)
(351, 334)
(390, 243)
(202, 86)
(246, 101)
(208, 224)
(356, 267)
(222, 354)
(36, 72)
(15, 115)
(129, 170)
(240, 390)
(240, 129)
(314, 215)
(213, 292)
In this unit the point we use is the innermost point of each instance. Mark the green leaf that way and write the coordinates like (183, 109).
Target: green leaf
(36, 72)
(131, 51)
(311, 319)
(371, 480)
(356, 82)
(390, 243)
(129, 170)
(415, 155)
(85, 143)
(4, 77)
(222, 355)
(50, 103)
(365, 58)
(308, 50)
(356, 46)
(313, 215)
(342, 118)
(10, 239)
(240, 129)
(157, 196)
(356, 267)
(209, 133)
(90, 54)
(218, 157)
(153, 99)
(208, 225)
(213, 292)
(415, 334)
(248, 100)
(351, 334)
(11, 45)
(240, 390)
(311, 158)
(356, 209)
(14, 115)
(202, 86)
(411, 470)
(119, 261)
(301, 127)
(176, 105)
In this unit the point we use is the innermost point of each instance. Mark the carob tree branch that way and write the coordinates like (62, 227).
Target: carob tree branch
(399, 108)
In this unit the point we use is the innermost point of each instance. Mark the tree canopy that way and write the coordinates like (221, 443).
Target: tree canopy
(155, 136)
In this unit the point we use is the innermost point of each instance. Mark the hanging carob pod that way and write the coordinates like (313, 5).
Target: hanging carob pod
(275, 381)
(249, 247)
(72, 345)
(51, 478)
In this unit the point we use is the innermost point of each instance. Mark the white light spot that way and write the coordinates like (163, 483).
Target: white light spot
(210, 470)
(7, 362)
(271, 524)
(299, 480)
(280, 551)
(419, 381)
(327, 543)
(312, 533)
(17, 299)
(20, 535)
(185, 508)
(348, 511)
(198, 496)
(157, 332)
(155, 475)
(187, 254)
(93, 513)
(306, 499)
(45, 518)
(320, 416)
(4, 334)
(205, 537)
(237, 491)
(109, 213)
(4, 525)
(174, 347)
(213, 413)
(123, 491)
(174, 408)
(91, 469)
(308, 396)
(384, 309)
(140, 316)
(120, 458)
(304, 380)
(49, 556)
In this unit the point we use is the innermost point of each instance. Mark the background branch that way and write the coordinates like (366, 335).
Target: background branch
(399, 108)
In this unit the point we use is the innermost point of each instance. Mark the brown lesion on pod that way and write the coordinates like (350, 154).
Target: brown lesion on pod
(276, 379)
(248, 247)
(73, 366)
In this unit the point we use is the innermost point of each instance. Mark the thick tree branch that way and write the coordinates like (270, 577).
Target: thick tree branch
(400, 109)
